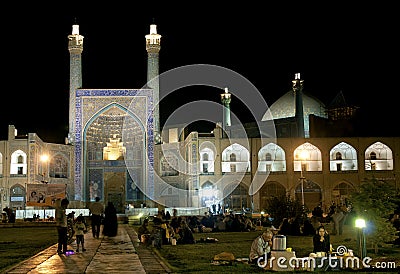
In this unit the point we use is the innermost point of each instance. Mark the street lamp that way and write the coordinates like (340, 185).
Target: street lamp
(360, 224)
(303, 157)
(44, 159)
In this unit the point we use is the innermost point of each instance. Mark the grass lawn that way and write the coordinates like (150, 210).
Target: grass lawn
(197, 258)
(20, 243)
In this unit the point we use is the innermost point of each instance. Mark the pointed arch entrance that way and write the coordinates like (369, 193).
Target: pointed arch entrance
(114, 143)
(209, 195)
(312, 194)
(105, 155)
(17, 197)
(236, 197)
(342, 192)
(269, 191)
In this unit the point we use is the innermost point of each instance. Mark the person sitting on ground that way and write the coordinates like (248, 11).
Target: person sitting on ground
(220, 225)
(168, 232)
(321, 241)
(310, 226)
(249, 225)
(317, 211)
(185, 234)
(284, 227)
(175, 223)
(144, 230)
(261, 247)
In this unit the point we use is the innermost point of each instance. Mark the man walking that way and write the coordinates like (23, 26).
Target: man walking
(61, 223)
(96, 210)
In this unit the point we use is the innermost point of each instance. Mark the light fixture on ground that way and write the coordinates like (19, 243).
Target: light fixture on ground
(361, 224)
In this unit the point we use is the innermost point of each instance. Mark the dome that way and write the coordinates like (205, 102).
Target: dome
(285, 107)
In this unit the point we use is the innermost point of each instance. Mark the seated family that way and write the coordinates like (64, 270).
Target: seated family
(163, 233)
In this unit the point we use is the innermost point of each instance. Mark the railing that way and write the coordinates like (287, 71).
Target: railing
(50, 212)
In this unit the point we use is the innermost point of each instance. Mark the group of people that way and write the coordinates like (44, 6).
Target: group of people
(308, 225)
(173, 230)
(103, 216)
(99, 216)
(261, 246)
(9, 215)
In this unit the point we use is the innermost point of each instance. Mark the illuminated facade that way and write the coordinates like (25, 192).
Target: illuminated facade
(114, 151)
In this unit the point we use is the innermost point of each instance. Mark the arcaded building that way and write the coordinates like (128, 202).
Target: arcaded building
(242, 173)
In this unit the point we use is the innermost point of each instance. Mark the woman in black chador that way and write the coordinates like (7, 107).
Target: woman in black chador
(110, 220)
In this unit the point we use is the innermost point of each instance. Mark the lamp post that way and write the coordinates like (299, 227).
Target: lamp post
(44, 159)
(360, 224)
(303, 157)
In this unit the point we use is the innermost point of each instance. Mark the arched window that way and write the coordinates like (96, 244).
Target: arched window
(207, 152)
(18, 163)
(307, 157)
(237, 155)
(343, 157)
(271, 157)
(378, 156)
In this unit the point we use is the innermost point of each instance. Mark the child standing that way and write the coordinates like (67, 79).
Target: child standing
(80, 229)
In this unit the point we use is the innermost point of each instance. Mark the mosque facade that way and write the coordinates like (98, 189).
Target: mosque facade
(116, 150)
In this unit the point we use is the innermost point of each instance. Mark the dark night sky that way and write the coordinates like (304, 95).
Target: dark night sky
(337, 47)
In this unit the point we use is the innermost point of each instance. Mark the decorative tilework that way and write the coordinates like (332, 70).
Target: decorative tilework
(137, 103)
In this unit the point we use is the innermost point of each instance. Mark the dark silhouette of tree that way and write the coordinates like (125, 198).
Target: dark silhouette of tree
(375, 202)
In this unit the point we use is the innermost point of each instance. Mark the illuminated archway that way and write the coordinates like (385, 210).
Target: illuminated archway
(236, 197)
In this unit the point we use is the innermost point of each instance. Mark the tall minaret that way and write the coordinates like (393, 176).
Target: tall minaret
(153, 41)
(226, 100)
(299, 115)
(75, 48)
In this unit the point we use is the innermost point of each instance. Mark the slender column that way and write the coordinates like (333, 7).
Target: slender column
(298, 91)
(75, 48)
(226, 119)
(153, 45)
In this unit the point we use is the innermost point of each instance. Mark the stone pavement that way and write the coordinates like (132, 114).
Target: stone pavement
(119, 254)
